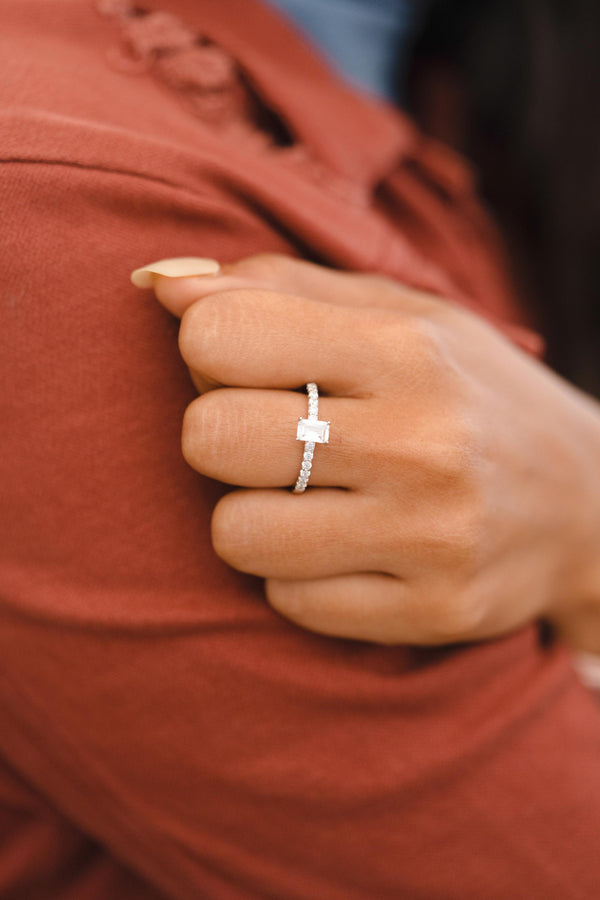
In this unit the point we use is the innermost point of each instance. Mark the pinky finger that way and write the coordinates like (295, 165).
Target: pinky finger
(381, 609)
(363, 606)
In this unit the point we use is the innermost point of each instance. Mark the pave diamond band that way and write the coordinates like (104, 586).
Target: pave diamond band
(312, 431)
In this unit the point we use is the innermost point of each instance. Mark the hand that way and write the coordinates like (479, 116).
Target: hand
(458, 497)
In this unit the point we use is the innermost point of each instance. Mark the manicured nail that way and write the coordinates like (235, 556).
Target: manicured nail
(178, 267)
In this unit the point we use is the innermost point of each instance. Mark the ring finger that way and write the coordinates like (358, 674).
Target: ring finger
(247, 437)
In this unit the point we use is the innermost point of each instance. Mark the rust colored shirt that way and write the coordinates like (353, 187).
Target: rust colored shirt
(163, 732)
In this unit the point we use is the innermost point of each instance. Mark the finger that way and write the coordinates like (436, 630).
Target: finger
(248, 438)
(276, 534)
(263, 339)
(377, 607)
(276, 272)
(361, 606)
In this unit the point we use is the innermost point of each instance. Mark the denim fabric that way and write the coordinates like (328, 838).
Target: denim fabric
(367, 41)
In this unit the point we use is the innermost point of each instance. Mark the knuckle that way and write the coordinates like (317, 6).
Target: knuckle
(191, 432)
(438, 458)
(244, 535)
(217, 334)
(197, 331)
(423, 341)
(409, 345)
(205, 430)
(232, 539)
(456, 539)
(461, 546)
(455, 612)
(263, 266)
(453, 451)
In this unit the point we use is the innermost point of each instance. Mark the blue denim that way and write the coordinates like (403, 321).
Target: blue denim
(366, 41)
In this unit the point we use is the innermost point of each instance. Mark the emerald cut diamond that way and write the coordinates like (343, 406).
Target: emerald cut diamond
(313, 430)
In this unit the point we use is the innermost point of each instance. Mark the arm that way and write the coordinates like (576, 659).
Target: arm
(107, 577)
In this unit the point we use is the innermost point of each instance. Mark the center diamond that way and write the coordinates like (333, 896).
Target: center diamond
(313, 430)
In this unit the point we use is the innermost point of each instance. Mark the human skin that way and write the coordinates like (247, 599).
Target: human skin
(459, 495)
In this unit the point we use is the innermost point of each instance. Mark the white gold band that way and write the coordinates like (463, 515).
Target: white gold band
(312, 431)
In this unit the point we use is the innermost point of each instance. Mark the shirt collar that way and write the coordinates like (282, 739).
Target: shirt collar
(360, 138)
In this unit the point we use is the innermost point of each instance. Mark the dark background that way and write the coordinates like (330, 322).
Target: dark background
(515, 85)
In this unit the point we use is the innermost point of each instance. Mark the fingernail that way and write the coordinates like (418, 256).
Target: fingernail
(178, 267)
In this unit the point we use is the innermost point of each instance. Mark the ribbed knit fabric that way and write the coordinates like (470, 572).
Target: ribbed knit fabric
(163, 732)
